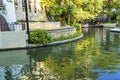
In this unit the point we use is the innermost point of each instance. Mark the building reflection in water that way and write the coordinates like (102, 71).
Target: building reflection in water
(85, 30)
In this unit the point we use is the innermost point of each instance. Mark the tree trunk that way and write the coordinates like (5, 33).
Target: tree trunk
(63, 22)
(64, 18)
(48, 14)
(109, 18)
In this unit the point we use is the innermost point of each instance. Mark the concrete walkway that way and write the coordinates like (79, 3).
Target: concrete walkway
(28, 46)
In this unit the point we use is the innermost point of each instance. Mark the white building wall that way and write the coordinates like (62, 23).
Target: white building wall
(10, 11)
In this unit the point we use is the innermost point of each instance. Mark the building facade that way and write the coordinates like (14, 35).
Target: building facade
(36, 11)
(14, 10)
(7, 10)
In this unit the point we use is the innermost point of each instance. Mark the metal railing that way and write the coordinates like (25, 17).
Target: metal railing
(14, 26)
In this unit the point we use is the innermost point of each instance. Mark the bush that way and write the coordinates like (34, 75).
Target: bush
(40, 37)
(118, 24)
(78, 26)
(113, 21)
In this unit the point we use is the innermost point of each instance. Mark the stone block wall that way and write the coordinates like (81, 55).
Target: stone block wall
(55, 33)
(53, 28)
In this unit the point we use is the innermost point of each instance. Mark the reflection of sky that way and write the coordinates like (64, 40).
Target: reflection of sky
(2, 73)
(107, 74)
(15, 71)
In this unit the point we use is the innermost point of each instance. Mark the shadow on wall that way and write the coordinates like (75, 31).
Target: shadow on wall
(3, 24)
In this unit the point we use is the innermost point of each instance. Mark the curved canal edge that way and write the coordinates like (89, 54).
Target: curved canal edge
(54, 43)
(28, 46)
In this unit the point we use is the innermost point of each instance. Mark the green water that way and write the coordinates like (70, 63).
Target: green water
(94, 57)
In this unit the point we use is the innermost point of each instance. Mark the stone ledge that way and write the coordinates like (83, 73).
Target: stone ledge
(64, 31)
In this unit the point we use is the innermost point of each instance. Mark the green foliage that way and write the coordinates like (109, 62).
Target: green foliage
(40, 37)
(118, 24)
(113, 21)
(81, 9)
(118, 17)
(111, 7)
(117, 7)
(78, 26)
(88, 9)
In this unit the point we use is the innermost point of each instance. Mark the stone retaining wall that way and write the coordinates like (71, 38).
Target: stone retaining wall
(53, 28)
(55, 33)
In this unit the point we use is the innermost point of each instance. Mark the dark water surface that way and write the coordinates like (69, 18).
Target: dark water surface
(94, 57)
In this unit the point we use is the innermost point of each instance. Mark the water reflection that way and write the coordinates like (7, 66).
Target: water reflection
(12, 64)
(85, 30)
(95, 57)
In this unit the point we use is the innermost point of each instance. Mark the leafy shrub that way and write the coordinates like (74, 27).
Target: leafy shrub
(118, 24)
(40, 37)
(113, 21)
(78, 26)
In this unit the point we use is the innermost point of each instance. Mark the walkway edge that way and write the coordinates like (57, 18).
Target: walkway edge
(65, 41)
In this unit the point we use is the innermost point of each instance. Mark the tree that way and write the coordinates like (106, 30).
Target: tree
(109, 8)
(88, 9)
(81, 9)
(117, 8)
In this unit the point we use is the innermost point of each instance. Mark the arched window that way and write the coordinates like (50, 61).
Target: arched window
(3, 24)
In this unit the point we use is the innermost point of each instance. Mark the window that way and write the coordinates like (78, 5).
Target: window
(35, 6)
(1, 5)
(29, 4)
(23, 5)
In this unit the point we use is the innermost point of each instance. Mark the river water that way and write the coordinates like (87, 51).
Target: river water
(94, 57)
